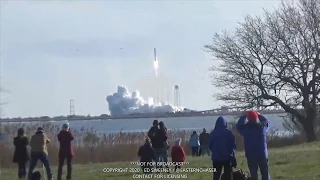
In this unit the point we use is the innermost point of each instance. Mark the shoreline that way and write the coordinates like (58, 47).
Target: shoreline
(84, 118)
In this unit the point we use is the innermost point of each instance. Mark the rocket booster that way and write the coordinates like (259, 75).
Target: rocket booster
(155, 54)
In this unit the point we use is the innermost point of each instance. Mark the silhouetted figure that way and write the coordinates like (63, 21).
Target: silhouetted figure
(65, 152)
(153, 130)
(147, 156)
(204, 142)
(21, 155)
(160, 146)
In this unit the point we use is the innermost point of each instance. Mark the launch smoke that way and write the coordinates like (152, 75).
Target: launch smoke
(124, 103)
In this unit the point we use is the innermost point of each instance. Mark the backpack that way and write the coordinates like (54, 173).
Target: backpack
(237, 175)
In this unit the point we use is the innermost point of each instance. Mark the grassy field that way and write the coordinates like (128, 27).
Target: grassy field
(93, 147)
(300, 162)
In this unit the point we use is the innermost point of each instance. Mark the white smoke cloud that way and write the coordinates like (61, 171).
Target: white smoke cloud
(123, 103)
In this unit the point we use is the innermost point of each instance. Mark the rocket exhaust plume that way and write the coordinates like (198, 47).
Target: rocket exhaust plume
(123, 102)
(155, 62)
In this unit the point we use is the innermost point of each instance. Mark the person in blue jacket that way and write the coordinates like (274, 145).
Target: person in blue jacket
(194, 143)
(222, 144)
(254, 127)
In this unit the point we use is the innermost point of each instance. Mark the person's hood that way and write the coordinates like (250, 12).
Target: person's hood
(65, 126)
(177, 142)
(221, 123)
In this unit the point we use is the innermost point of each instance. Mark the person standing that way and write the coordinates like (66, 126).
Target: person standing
(160, 146)
(65, 152)
(254, 127)
(194, 143)
(147, 156)
(38, 144)
(204, 142)
(164, 131)
(153, 130)
(21, 155)
(222, 145)
(177, 154)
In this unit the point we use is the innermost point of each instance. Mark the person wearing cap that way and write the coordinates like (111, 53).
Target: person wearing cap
(38, 144)
(65, 151)
(222, 144)
(204, 142)
(21, 155)
(254, 127)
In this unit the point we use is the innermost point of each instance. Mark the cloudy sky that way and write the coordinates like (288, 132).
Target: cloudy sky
(54, 51)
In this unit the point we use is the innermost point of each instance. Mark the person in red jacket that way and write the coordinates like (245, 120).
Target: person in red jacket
(177, 154)
(65, 152)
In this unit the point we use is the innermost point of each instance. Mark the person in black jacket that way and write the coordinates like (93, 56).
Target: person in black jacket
(21, 155)
(153, 130)
(146, 154)
(204, 142)
(160, 146)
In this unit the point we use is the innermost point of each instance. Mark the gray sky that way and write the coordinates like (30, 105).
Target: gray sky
(54, 51)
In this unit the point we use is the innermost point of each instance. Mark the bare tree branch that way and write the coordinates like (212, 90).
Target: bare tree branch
(273, 60)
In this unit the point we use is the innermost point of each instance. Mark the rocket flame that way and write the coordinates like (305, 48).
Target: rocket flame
(155, 66)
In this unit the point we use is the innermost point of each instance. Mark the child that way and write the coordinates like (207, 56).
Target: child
(177, 154)
(21, 155)
(146, 154)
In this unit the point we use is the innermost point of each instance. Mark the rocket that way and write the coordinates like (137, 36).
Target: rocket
(155, 54)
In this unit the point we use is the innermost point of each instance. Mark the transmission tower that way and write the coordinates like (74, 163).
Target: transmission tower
(72, 113)
(176, 100)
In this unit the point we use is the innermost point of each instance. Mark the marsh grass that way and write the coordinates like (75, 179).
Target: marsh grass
(92, 147)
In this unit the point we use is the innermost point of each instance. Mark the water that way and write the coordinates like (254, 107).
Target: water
(143, 124)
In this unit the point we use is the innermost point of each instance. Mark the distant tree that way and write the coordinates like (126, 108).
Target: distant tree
(273, 60)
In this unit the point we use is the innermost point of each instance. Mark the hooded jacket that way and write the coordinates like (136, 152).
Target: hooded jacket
(194, 141)
(177, 152)
(21, 152)
(38, 142)
(65, 137)
(222, 142)
(146, 153)
(254, 134)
